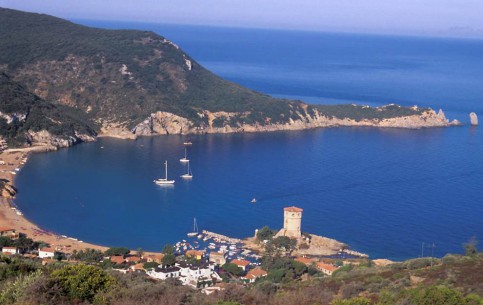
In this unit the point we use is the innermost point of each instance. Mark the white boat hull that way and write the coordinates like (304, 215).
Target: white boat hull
(163, 181)
(184, 160)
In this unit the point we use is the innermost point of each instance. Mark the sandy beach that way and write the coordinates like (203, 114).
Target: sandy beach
(10, 217)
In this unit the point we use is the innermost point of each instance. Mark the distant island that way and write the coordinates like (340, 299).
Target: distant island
(64, 83)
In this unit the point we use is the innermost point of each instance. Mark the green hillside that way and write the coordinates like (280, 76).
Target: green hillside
(22, 111)
(125, 75)
(81, 66)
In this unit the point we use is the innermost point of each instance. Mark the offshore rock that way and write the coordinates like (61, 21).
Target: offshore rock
(473, 119)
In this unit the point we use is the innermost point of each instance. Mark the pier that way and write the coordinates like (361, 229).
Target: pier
(221, 237)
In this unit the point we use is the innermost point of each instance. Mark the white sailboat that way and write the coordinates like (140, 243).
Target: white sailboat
(195, 229)
(189, 174)
(162, 181)
(185, 159)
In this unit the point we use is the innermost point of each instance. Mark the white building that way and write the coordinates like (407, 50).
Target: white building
(164, 273)
(10, 250)
(46, 252)
(191, 275)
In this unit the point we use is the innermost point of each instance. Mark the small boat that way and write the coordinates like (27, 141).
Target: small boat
(254, 200)
(189, 174)
(187, 143)
(185, 159)
(195, 229)
(163, 181)
(200, 236)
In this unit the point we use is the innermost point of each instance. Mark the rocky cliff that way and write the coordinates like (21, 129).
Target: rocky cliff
(161, 123)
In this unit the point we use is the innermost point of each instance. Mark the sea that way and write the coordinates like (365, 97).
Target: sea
(390, 193)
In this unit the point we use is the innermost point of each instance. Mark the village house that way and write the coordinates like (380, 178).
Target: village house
(304, 260)
(153, 258)
(133, 259)
(326, 268)
(8, 232)
(197, 254)
(9, 250)
(46, 253)
(241, 263)
(139, 266)
(254, 274)
(217, 258)
(117, 259)
(196, 276)
(163, 273)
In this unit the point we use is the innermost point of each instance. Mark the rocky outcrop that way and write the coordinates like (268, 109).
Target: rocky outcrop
(164, 123)
(473, 119)
(7, 190)
(168, 123)
(44, 137)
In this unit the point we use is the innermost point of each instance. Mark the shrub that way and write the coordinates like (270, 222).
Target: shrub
(82, 282)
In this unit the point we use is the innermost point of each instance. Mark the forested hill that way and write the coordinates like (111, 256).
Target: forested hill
(123, 75)
(23, 116)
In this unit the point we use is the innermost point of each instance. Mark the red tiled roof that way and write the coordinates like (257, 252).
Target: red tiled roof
(3, 229)
(325, 266)
(139, 266)
(240, 262)
(304, 260)
(132, 259)
(195, 253)
(257, 272)
(117, 259)
(9, 248)
(292, 209)
(47, 249)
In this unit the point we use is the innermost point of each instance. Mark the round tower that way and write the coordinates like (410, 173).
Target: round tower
(292, 223)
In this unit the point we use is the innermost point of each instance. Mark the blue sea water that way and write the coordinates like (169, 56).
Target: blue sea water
(382, 191)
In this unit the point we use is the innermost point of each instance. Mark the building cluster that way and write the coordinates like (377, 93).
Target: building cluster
(202, 270)
(193, 267)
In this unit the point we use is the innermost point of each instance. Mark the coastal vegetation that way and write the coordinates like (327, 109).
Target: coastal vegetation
(454, 279)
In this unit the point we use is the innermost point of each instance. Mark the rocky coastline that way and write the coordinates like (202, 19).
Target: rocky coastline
(163, 123)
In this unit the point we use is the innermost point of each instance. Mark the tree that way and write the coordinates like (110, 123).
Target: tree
(6, 241)
(168, 259)
(470, 247)
(117, 251)
(140, 252)
(233, 269)
(150, 265)
(23, 244)
(82, 282)
(168, 249)
(265, 233)
(283, 242)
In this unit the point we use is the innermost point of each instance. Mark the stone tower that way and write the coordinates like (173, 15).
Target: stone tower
(292, 222)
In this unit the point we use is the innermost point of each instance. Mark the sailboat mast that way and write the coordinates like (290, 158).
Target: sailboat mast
(166, 169)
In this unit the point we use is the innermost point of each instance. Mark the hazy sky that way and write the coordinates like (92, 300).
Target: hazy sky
(420, 17)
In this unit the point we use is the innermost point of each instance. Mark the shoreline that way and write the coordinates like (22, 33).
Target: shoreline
(11, 217)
